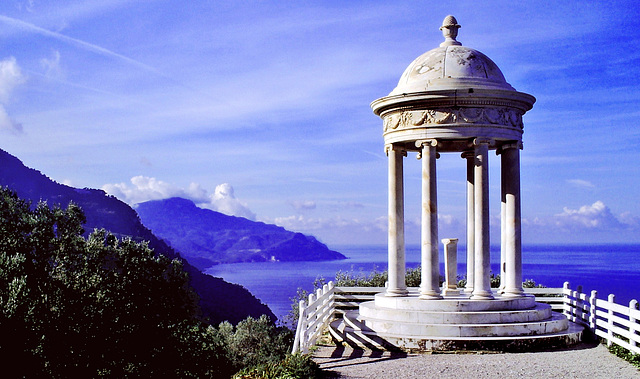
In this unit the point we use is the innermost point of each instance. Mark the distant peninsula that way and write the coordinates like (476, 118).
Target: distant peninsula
(205, 237)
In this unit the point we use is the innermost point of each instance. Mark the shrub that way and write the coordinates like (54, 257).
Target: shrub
(530, 283)
(101, 306)
(294, 366)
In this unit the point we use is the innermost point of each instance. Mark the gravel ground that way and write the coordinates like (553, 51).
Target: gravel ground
(581, 361)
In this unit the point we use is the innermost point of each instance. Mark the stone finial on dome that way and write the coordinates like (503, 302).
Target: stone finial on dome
(450, 31)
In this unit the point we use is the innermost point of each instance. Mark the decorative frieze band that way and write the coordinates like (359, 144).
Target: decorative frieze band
(411, 119)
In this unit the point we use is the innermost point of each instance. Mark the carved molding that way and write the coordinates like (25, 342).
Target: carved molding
(410, 119)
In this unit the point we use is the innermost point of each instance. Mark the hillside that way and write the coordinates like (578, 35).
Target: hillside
(219, 300)
(206, 237)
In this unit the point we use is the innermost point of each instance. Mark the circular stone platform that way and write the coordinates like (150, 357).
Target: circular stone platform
(458, 303)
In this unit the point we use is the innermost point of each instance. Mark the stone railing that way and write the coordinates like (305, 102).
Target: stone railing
(613, 322)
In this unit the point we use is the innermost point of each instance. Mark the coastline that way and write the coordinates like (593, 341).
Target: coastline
(610, 268)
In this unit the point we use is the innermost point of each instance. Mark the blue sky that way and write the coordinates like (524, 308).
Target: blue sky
(261, 108)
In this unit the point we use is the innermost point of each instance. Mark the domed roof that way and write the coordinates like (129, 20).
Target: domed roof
(451, 66)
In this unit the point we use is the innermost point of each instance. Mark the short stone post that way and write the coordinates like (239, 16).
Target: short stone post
(592, 310)
(633, 305)
(611, 299)
(450, 267)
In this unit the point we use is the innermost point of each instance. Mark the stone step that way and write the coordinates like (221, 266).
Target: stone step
(460, 303)
(357, 337)
(556, 323)
(342, 333)
(370, 310)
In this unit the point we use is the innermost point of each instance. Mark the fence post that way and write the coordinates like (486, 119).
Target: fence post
(297, 342)
(579, 305)
(304, 336)
(633, 304)
(566, 299)
(325, 303)
(592, 310)
(611, 299)
(331, 300)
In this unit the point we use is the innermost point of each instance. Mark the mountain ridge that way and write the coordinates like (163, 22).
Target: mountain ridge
(206, 237)
(219, 300)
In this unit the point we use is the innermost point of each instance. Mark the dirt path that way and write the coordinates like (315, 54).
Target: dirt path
(581, 361)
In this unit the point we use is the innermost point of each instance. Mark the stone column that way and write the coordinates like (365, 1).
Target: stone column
(482, 266)
(470, 157)
(430, 274)
(397, 267)
(513, 245)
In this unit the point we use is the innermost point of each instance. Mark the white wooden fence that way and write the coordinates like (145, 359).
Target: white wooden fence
(613, 322)
(314, 317)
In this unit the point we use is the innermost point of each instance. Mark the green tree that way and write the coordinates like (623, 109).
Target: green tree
(100, 306)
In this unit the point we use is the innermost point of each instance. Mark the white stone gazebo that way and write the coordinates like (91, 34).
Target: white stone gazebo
(454, 99)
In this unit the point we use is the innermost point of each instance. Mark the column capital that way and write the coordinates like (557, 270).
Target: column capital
(391, 146)
(468, 154)
(482, 141)
(431, 142)
(427, 142)
(509, 145)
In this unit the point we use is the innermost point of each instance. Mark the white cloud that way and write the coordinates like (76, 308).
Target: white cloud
(581, 183)
(9, 124)
(358, 230)
(144, 188)
(594, 216)
(594, 223)
(303, 204)
(51, 66)
(10, 77)
(301, 223)
(224, 200)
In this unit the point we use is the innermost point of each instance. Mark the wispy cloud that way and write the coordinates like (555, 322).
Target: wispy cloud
(303, 204)
(51, 66)
(581, 183)
(28, 27)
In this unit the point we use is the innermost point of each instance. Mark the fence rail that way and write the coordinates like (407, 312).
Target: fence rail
(615, 323)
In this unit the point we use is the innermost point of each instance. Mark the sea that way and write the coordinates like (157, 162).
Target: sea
(608, 269)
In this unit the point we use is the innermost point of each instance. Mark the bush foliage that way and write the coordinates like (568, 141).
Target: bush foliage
(104, 306)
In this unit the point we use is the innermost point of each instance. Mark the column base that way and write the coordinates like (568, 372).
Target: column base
(481, 295)
(429, 295)
(514, 292)
(450, 292)
(396, 293)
